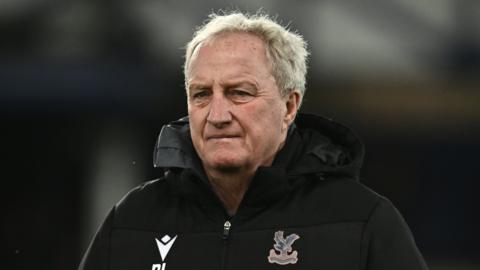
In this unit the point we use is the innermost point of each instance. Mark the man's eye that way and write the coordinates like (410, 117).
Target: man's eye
(200, 94)
(241, 96)
(200, 97)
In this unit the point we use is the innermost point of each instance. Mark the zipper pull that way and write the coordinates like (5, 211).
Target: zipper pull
(226, 229)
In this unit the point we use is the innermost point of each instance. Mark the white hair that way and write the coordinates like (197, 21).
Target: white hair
(286, 50)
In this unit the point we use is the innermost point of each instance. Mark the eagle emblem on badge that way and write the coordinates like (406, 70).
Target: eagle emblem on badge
(283, 245)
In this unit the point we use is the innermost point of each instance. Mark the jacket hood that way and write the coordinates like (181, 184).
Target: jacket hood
(314, 145)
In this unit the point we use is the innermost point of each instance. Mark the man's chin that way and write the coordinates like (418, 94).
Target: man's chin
(227, 165)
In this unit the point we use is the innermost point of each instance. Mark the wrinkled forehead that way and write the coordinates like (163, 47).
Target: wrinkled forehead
(233, 41)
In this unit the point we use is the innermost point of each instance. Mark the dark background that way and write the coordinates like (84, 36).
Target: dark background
(85, 87)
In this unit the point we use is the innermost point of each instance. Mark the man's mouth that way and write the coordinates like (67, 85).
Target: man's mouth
(222, 136)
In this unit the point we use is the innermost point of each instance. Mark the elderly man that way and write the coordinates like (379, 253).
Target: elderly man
(248, 183)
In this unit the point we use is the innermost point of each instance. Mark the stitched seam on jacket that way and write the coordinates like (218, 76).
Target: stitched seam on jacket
(364, 250)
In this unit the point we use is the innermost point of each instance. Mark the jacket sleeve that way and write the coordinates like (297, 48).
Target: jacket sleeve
(98, 253)
(388, 241)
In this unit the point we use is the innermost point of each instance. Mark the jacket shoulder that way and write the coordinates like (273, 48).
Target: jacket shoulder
(137, 206)
(386, 235)
(143, 192)
(351, 200)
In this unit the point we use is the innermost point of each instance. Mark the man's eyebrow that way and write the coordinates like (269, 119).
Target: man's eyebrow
(193, 86)
(240, 83)
(227, 84)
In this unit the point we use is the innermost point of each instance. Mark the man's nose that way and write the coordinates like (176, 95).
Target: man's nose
(219, 114)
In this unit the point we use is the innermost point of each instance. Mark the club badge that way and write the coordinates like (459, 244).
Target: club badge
(285, 253)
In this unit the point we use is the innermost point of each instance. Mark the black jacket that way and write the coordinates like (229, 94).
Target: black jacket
(309, 200)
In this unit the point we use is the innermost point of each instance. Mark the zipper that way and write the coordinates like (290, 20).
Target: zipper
(226, 229)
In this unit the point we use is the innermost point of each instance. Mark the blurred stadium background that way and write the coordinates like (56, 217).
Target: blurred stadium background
(86, 85)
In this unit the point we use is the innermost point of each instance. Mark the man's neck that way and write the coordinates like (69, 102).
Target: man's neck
(230, 187)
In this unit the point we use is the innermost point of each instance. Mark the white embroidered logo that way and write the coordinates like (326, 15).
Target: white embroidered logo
(284, 246)
(164, 246)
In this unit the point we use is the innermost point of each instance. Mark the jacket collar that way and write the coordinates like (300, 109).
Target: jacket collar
(314, 145)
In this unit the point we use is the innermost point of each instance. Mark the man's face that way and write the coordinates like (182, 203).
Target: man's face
(238, 119)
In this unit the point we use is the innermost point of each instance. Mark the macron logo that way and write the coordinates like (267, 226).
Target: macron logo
(164, 245)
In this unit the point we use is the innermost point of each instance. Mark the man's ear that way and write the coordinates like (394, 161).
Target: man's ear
(292, 103)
